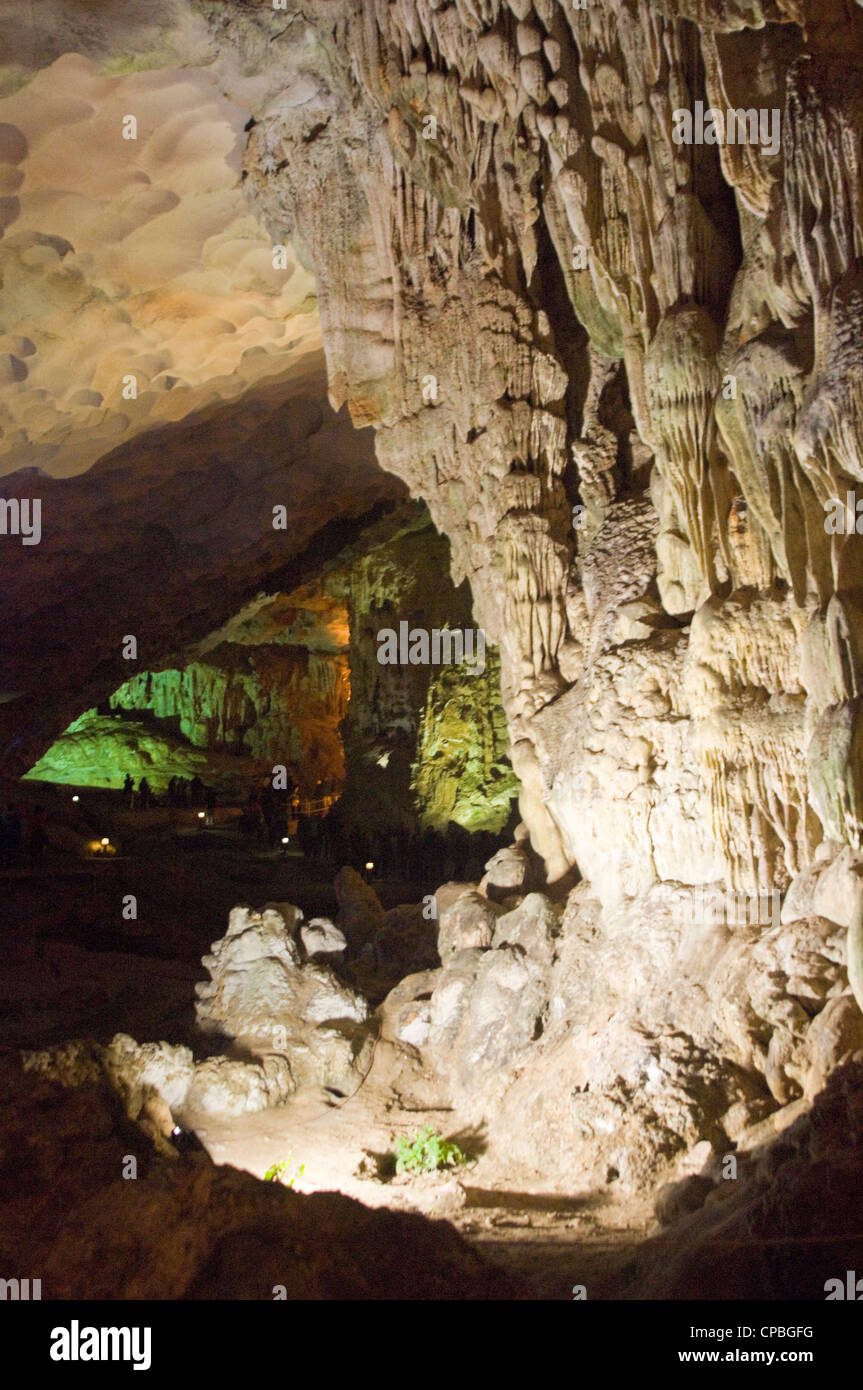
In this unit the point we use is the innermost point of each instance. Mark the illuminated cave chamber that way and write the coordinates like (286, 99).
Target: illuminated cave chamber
(268, 688)
(623, 375)
(293, 679)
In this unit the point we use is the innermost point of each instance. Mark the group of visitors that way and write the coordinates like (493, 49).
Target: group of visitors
(142, 798)
(185, 791)
(267, 811)
(23, 838)
(398, 853)
(181, 791)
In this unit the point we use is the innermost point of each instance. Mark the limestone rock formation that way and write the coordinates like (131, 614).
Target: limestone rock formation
(158, 541)
(305, 1025)
(597, 1042)
(792, 1213)
(466, 924)
(321, 938)
(294, 679)
(631, 327)
(228, 719)
(423, 741)
(548, 301)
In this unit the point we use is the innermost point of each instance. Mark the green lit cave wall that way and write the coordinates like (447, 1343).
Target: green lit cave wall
(294, 679)
(461, 771)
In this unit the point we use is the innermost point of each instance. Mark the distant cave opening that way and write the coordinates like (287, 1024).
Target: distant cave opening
(292, 693)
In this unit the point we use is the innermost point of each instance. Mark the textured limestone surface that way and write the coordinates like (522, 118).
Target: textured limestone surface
(299, 1018)
(543, 303)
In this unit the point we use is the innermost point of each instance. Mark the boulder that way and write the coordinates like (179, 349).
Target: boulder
(406, 942)
(834, 1034)
(413, 1023)
(838, 892)
(405, 1014)
(321, 938)
(130, 1066)
(299, 1022)
(360, 914)
(507, 871)
(466, 924)
(152, 1080)
(223, 1086)
(533, 925)
(448, 893)
(486, 1009)
(259, 992)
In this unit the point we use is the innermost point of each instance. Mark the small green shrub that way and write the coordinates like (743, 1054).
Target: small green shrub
(277, 1173)
(426, 1153)
(123, 63)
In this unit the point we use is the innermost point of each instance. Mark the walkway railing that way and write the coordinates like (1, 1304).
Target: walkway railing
(314, 808)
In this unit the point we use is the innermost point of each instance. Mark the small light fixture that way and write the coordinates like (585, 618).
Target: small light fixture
(104, 841)
(369, 866)
(76, 798)
(286, 839)
(200, 815)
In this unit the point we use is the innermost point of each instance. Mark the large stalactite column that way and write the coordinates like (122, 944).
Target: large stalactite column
(432, 161)
(459, 372)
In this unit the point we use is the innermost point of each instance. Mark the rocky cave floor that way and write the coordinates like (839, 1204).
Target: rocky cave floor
(74, 970)
(110, 1020)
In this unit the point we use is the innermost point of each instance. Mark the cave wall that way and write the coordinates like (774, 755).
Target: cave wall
(162, 379)
(230, 721)
(424, 744)
(543, 302)
(166, 539)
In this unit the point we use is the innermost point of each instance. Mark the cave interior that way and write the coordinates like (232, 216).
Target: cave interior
(431, 656)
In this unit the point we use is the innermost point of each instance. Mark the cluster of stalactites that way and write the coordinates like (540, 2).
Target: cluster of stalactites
(477, 139)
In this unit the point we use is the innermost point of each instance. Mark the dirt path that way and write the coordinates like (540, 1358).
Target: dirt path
(553, 1240)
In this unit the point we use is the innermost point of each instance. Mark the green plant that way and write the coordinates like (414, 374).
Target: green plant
(122, 63)
(426, 1152)
(278, 1171)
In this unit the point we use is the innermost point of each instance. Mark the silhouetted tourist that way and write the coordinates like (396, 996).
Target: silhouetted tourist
(210, 803)
(36, 837)
(280, 822)
(196, 791)
(305, 835)
(145, 795)
(129, 789)
(12, 834)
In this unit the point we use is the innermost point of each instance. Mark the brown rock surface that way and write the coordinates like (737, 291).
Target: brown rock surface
(184, 1228)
